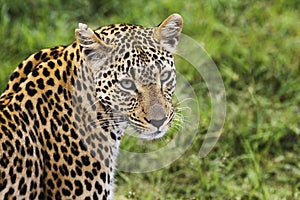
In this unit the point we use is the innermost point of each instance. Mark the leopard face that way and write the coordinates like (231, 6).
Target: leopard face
(136, 76)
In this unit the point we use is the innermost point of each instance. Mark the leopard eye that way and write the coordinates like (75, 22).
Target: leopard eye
(128, 84)
(165, 76)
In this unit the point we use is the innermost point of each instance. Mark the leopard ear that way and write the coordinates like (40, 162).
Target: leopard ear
(93, 46)
(168, 32)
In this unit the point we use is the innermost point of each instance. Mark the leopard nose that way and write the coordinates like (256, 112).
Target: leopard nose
(158, 115)
(158, 123)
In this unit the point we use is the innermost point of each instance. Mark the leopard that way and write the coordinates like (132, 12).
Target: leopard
(65, 109)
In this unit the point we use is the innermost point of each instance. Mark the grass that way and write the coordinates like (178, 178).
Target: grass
(256, 47)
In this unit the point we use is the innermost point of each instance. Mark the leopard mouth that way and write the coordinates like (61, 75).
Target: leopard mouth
(149, 133)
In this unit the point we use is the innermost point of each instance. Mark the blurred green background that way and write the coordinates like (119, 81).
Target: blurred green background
(256, 47)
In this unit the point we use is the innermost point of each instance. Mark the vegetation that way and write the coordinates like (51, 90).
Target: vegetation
(256, 47)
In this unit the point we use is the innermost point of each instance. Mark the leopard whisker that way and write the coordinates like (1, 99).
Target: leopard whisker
(182, 101)
(182, 108)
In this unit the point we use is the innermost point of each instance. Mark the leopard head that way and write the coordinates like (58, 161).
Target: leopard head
(134, 72)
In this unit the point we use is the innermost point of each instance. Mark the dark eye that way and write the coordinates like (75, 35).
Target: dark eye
(128, 84)
(165, 76)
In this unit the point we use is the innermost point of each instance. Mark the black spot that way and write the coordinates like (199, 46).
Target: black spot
(51, 64)
(58, 183)
(82, 146)
(10, 108)
(20, 65)
(25, 119)
(46, 73)
(41, 112)
(50, 82)
(67, 143)
(28, 105)
(94, 171)
(33, 195)
(105, 193)
(12, 126)
(14, 75)
(13, 179)
(65, 127)
(78, 85)
(42, 194)
(7, 133)
(3, 183)
(38, 55)
(69, 184)
(55, 176)
(57, 195)
(72, 80)
(73, 134)
(68, 159)
(113, 136)
(85, 160)
(57, 74)
(50, 184)
(103, 176)
(122, 50)
(126, 55)
(44, 55)
(28, 172)
(56, 156)
(106, 161)
(64, 170)
(89, 175)
(53, 53)
(35, 72)
(20, 97)
(79, 188)
(2, 120)
(30, 88)
(73, 173)
(28, 68)
(66, 192)
(4, 161)
(71, 56)
(68, 68)
(17, 107)
(7, 114)
(66, 55)
(88, 185)
(59, 89)
(23, 189)
(49, 93)
(40, 83)
(98, 187)
(59, 62)
(57, 119)
(16, 87)
(65, 77)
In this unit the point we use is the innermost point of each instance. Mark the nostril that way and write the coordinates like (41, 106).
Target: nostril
(158, 123)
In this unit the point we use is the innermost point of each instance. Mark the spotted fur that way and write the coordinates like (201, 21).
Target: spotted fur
(65, 109)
